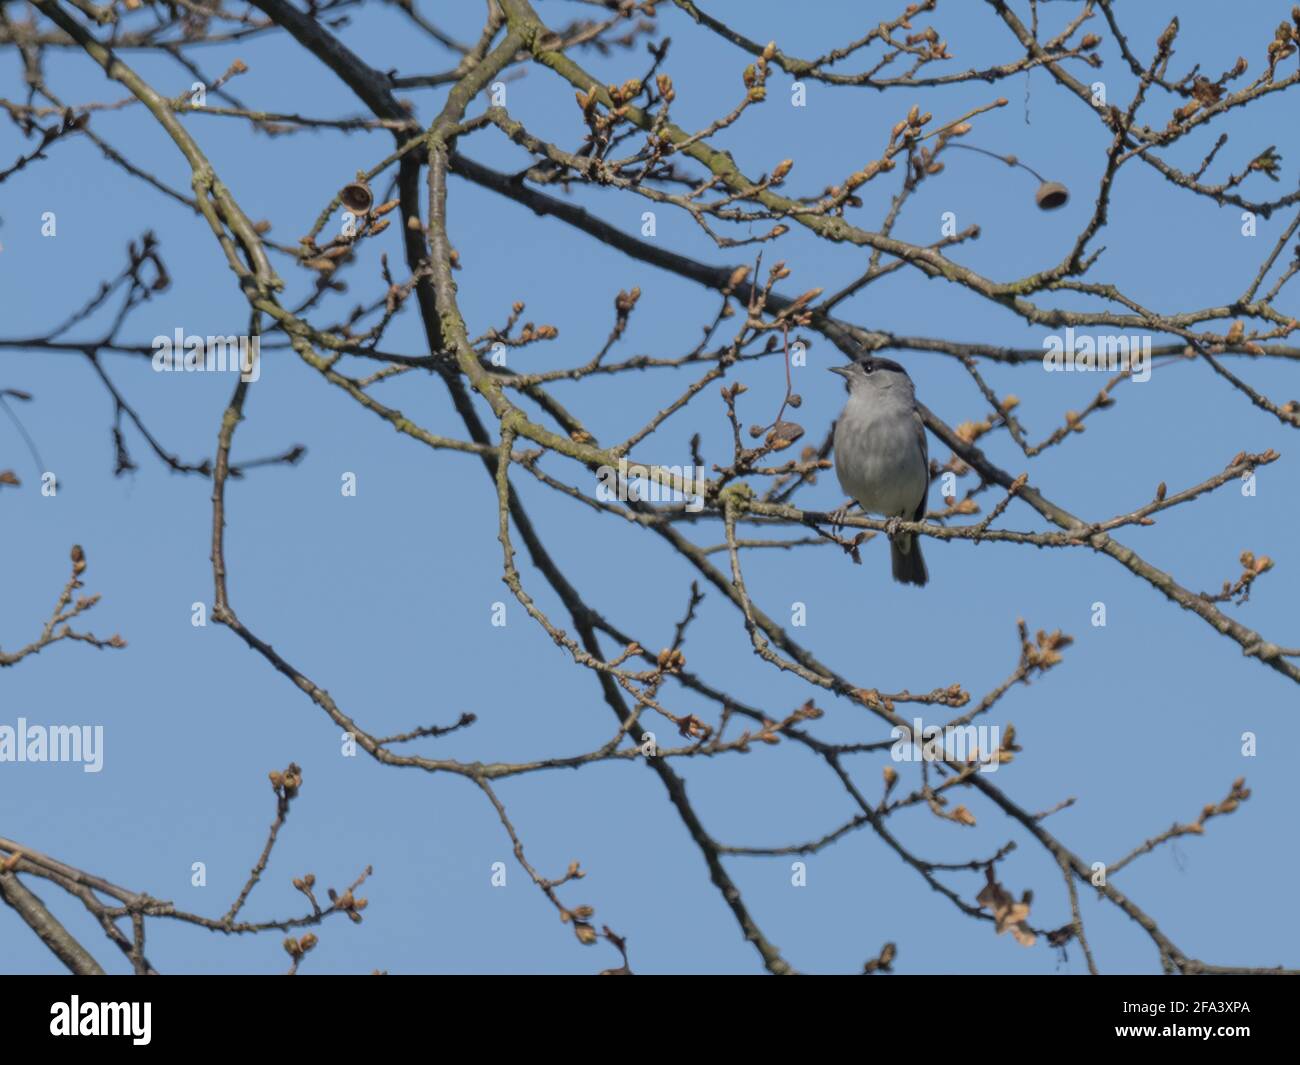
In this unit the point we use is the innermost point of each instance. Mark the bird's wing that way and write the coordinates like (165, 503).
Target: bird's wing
(925, 459)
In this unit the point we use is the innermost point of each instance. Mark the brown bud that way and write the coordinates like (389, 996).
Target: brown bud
(805, 298)
(783, 434)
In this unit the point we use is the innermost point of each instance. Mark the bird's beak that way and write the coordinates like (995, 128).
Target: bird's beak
(843, 371)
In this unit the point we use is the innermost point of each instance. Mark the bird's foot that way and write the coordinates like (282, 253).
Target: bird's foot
(839, 514)
(892, 526)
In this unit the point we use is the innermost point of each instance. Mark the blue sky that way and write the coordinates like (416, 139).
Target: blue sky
(385, 599)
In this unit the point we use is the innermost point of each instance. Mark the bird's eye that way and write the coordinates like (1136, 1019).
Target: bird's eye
(867, 367)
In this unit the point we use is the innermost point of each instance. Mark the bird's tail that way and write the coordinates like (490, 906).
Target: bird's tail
(908, 565)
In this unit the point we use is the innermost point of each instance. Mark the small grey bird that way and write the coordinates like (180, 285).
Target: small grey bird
(881, 455)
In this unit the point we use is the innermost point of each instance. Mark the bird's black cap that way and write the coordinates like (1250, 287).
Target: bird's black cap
(870, 364)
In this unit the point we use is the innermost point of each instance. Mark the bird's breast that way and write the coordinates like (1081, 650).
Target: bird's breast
(878, 461)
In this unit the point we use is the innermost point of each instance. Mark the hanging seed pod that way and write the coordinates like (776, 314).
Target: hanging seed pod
(1051, 195)
(357, 197)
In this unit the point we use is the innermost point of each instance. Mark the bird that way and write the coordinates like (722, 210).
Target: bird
(882, 458)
